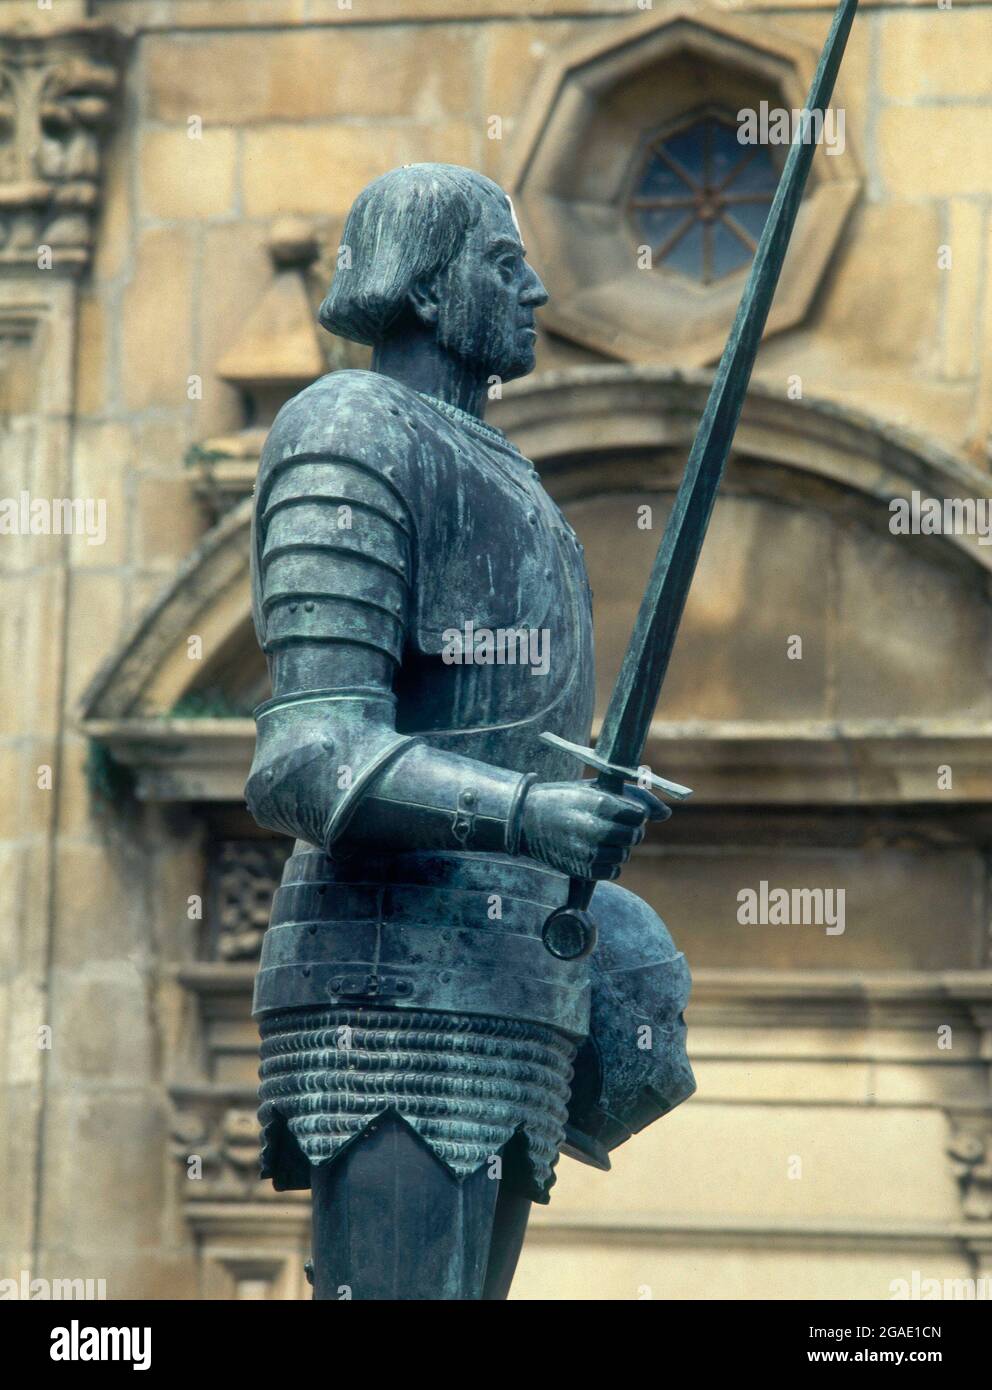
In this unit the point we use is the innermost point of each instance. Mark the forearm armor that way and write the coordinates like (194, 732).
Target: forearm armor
(405, 794)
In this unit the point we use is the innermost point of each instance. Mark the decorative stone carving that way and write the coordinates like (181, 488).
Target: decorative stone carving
(278, 352)
(216, 1144)
(245, 874)
(56, 102)
(970, 1151)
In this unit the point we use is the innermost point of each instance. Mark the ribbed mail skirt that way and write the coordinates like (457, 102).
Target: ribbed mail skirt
(467, 1084)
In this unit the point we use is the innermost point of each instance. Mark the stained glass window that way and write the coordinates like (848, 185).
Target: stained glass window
(701, 198)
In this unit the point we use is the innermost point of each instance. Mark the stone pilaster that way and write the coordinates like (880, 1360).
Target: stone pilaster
(57, 88)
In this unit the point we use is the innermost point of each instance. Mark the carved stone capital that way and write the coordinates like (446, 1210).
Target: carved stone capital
(214, 1140)
(969, 1147)
(57, 92)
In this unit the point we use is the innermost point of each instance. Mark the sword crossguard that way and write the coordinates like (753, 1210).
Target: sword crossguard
(641, 775)
(569, 932)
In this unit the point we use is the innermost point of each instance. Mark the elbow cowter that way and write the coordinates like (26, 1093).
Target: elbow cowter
(289, 793)
(313, 758)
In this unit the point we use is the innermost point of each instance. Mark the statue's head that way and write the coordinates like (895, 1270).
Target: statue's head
(436, 248)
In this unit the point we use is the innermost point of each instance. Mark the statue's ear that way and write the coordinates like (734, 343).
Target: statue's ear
(423, 300)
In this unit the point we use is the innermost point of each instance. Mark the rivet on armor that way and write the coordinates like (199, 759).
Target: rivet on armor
(308, 606)
(532, 518)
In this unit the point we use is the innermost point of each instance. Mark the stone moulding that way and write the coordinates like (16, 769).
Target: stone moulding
(569, 421)
(574, 424)
(731, 997)
(150, 671)
(211, 1119)
(755, 763)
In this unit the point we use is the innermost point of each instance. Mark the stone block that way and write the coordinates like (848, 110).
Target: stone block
(184, 178)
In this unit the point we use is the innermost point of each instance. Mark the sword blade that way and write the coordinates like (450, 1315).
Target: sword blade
(635, 695)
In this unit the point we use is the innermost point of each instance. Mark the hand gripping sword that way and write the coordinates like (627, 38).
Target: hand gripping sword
(569, 931)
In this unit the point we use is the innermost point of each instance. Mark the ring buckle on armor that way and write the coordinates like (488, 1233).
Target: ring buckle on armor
(368, 986)
(464, 822)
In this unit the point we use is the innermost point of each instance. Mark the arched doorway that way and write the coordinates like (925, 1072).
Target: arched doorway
(819, 766)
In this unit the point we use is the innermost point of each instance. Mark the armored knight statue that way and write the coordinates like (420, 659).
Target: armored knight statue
(427, 1050)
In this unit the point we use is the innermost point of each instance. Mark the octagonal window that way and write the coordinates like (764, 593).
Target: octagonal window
(700, 198)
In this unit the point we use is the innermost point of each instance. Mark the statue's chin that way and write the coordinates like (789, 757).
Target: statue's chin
(521, 366)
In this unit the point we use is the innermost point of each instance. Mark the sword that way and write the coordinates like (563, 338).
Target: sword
(569, 931)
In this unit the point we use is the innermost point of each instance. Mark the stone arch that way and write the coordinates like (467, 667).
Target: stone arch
(898, 628)
(151, 670)
(565, 421)
(589, 430)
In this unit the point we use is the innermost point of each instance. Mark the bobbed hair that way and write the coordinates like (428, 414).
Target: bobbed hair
(404, 229)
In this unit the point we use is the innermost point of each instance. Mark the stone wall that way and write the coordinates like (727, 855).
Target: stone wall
(233, 114)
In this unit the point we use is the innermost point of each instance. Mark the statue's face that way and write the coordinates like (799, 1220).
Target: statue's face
(488, 297)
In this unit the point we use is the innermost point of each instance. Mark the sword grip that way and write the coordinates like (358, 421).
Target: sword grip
(570, 932)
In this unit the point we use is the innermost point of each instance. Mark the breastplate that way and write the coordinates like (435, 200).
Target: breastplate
(495, 709)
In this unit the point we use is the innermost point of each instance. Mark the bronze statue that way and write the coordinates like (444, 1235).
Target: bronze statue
(418, 1035)
(451, 990)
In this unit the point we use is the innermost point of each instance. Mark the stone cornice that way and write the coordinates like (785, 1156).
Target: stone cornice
(732, 997)
(218, 15)
(757, 763)
(547, 1226)
(232, 1219)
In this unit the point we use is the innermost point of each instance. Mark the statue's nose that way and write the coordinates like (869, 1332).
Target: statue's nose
(535, 293)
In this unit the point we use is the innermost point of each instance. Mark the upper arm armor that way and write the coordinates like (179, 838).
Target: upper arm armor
(335, 563)
(334, 570)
